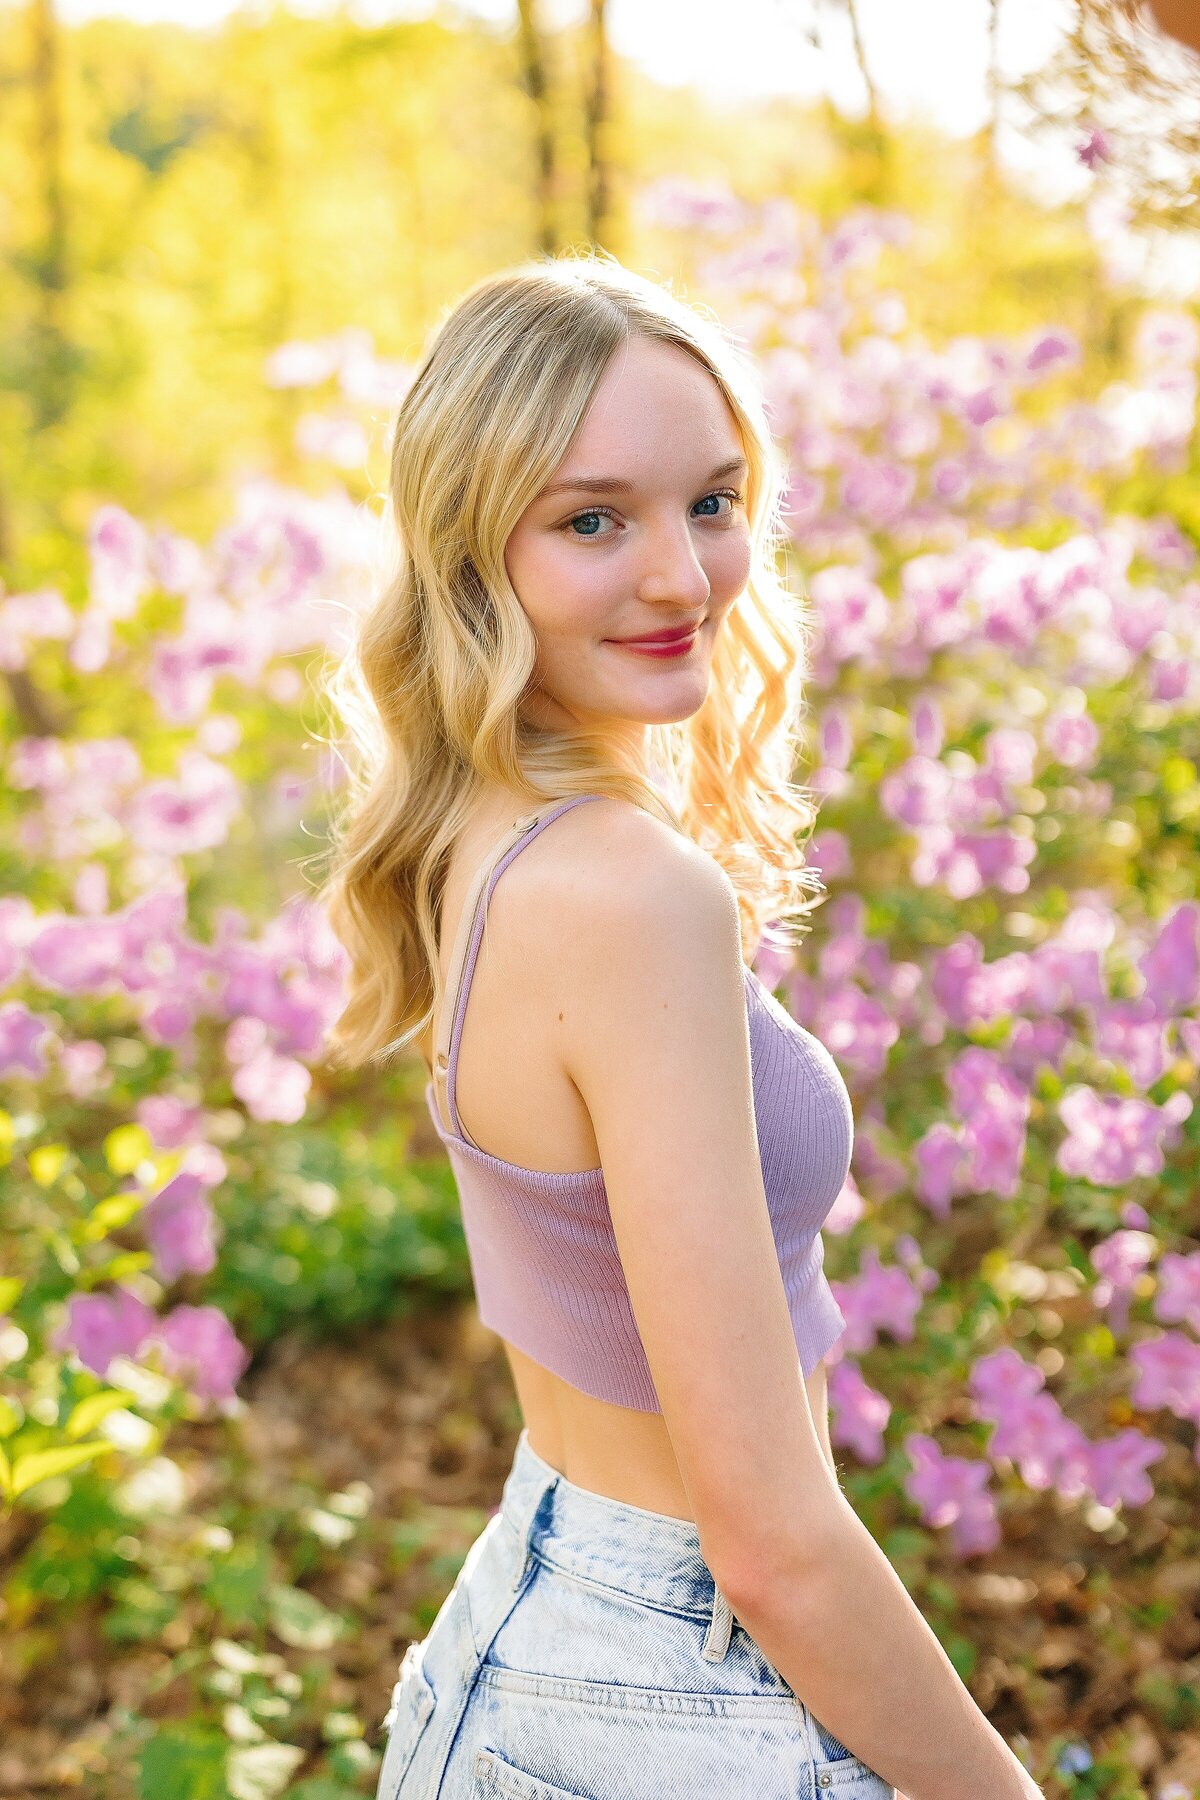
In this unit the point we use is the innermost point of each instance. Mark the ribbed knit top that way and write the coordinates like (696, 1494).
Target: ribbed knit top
(542, 1250)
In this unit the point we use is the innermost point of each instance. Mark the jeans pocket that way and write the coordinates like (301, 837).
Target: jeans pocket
(495, 1779)
(412, 1704)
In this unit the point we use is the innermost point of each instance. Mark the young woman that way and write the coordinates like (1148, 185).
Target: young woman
(560, 848)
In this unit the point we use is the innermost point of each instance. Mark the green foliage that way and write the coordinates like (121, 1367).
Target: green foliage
(337, 1229)
(185, 1761)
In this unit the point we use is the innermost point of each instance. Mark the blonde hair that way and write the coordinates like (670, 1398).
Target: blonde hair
(430, 691)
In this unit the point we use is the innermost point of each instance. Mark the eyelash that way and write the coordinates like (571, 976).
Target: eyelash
(606, 512)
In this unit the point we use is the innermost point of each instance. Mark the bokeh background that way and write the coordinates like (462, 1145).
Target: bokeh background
(249, 1422)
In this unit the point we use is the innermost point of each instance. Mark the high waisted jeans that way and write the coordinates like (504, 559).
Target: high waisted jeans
(586, 1653)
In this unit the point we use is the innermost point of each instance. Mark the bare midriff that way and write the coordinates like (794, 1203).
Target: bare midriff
(612, 1450)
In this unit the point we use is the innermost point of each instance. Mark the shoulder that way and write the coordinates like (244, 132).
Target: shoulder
(628, 929)
(608, 873)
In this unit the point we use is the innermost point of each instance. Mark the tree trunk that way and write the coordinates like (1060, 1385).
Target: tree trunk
(861, 58)
(989, 136)
(50, 259)
(597, 126)
(533, 79)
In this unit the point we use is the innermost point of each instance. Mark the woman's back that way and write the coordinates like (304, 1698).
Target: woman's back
(525, 1109)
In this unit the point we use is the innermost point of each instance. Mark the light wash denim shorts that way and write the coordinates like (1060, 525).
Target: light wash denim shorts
(586, 1653)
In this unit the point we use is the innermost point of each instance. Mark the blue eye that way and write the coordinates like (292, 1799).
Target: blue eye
(605, 512)
(594, 512)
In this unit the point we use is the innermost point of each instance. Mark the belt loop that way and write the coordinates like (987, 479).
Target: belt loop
(720, 1629)
(523, 1520)
(818, 1777)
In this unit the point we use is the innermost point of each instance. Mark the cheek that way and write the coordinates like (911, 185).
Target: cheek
(578, 585)
(563, 593)
(728, 564)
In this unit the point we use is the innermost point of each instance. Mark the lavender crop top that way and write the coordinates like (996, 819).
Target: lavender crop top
(543, 1254)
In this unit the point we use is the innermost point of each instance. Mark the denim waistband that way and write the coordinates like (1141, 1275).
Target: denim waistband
(650, 1555)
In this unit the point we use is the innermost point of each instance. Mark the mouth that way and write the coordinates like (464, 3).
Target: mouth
(672, 635)
(677, 645)
(670, 638)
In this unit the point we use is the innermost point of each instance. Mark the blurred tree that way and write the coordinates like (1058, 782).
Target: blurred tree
(866, 142)
(1128, 96)
(49, 371)
(533, 75)
(860, 55)
(596, 107)
(989, 134)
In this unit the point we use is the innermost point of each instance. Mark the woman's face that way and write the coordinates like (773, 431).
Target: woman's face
(642, 528)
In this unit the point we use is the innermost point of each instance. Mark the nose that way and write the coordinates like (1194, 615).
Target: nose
(671, 570)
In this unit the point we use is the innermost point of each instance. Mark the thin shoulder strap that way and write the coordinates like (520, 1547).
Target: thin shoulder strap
(465, 953)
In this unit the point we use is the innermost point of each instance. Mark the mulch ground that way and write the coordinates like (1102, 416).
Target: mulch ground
(1074, 1635)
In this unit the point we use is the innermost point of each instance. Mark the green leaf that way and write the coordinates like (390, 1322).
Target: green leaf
(300, 1619)
(39, 1465)
(46, 1163)
(10, 1289)
(88, 1413)
(5, 1476)
(126, 1147)
(129, 1262)
(113, 1212)
(236, 1584)
(10, 1417)
(185, 1761)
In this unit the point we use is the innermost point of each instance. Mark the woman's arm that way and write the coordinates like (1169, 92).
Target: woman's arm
(838, 1623)
(654, 1033)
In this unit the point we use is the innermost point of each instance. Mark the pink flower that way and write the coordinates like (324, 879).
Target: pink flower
(1071, 739)
(169, 1121)
(85, 1069)
(101, 1326)
(200, 1346)
(77, 956)
(1178, 1296)
(174, 818)
(1118, 1468)
(180, 1228)
(940, 1160)
(1133, 1034)
(1112, 1138)
(859, 1412)
(1119, 1260)
(119, 561)
(1002, 1378)
(1171, 967)
(879, 1299)
(1095, 148)
(1050, 348)
(952, 1490)
(1168, 1374)
(21, 1035)
(273, 1087)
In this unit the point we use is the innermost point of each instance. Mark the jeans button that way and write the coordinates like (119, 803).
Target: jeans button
(824, 1778)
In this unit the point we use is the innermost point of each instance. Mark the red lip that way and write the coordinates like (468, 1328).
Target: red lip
(661, 637)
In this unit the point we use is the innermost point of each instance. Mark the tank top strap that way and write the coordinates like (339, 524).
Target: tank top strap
(465, 953)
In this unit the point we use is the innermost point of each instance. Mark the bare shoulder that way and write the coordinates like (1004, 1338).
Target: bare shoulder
(610, 881)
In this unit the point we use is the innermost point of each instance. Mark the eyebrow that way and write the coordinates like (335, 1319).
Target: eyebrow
(613, 484)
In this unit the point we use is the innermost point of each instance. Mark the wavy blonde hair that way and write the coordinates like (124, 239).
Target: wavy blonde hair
(430, 691)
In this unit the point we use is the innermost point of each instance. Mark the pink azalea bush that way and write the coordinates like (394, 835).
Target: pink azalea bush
(1005, 683)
